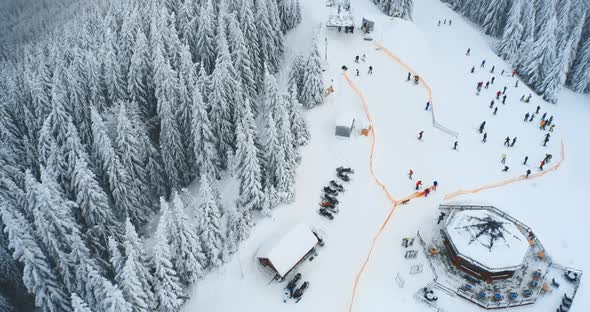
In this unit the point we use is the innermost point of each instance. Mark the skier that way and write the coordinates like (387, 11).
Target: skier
(472, 69)
(504, 91)
(492, 70)
(356, 59)
(482, 126)
(357, 72)
(485, 137)
(445, 21)
(547, 136)
(455, 145)
(507, 141)
(370, 70)
(551, 119)
(526, 117)
(410, 174)
(545, 141)
(427, 105)
(504, 99)
(468, 51)
(532, 117)
(438, 23)
(344, 68)
(522, 99)
(434, 185)
(544, 116)
(418, 184)
(426, 192)
(493, 78)
(450, 22)
(498, 95)
(538, 107)
(528, 173)
(526, 158)
(542, 124)
(504, 158)
(483, 63)
(513, 73)
(492, 104)
(487, 84)
(416, 79)
(409, 76)
(505, 169)
(542, 165)
(551, 128)
(420, 135)
(495, 110)
(502, 74)
(516, 84)
(513, 142)
(528, 99)
(363, 58)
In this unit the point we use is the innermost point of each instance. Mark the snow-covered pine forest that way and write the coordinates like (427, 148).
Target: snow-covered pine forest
(106, 121)
(547, 41)
(397, 8)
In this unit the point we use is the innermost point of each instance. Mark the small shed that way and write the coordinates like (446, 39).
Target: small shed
(283, 252)
(344, 125)
(368, 24)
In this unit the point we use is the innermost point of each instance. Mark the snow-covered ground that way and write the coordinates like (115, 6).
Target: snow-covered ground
(552, 205)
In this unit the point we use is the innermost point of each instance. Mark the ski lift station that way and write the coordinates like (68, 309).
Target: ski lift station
(283, 252)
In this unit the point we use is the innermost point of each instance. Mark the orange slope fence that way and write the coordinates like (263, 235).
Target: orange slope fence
(393, 201)
(426, 86)
(509, 181)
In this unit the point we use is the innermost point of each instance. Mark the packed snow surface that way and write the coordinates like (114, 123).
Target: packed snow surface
(506, 252)
(285, 250)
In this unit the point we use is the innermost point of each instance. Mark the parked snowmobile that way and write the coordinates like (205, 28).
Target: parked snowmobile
(329, 190)
(299, 292)
(344, 170)
(343, 176)
(330, 199)
(335, 185)
(293, 284)
(329, 206)
(325, 213)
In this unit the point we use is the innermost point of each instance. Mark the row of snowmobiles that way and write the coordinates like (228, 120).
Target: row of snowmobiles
(294, 292)
(329, 202)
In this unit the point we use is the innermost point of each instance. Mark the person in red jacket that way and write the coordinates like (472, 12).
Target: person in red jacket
(410, 174)
(498, 95)
(426, 192)
(418, 184)
(541, 165)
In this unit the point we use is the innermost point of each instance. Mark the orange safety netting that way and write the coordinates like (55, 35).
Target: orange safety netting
(509, 181)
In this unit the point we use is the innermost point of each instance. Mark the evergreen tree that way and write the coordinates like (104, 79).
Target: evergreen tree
(248, 166)
(400, 8)
(78, 304)
(167, 287)
(299, 128)
(109, 297)
(139, 264)
(131, 283)
(266, 38)
(184, 242)
(510, 43)
(205, 152)
(114, 79)
(205, 37)
(115, 257)
(312, 91)
(139, 79)
(495, 19)
(580, 76)
(122, 190)
(242, 58)
(542, 55)
(210, 231)
(249, 29)
(296, 75)
(38, 274)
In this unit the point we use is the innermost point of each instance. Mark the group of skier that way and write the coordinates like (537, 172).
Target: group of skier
(364, 59)
(419, 184)
(445, 22)
(529, 117)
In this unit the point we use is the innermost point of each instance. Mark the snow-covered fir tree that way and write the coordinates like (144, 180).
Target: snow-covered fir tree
(167, 287)
(184, 242)
(206, 37)
(495, 20)
(205, 153)
(248, 165)
(210, 231)
(542, 55)
(511, 39)
(78, 304)
(242, 58)
(312, 90)
(299, 127)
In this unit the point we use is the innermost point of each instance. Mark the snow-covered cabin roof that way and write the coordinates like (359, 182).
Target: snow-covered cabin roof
(487, 239)
(284, 251)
